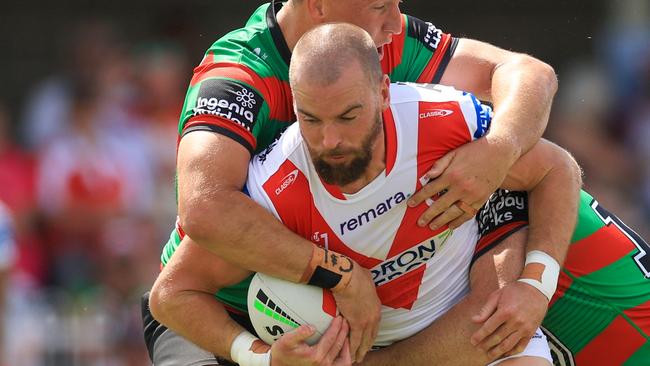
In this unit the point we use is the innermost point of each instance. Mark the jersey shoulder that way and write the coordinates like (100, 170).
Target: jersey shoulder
(240, 89)
(435, 102)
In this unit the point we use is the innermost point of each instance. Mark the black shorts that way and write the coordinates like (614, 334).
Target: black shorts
(167, 348)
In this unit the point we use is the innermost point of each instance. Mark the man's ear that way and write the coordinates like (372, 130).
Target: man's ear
(385, 92)
(315, 9)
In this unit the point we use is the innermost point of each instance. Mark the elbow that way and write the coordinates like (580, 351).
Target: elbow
(199, 218)
(565, 161)
(543, 73)
(159, 301)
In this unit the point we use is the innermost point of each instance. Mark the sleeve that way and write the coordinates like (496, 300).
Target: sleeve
(480, 119)
(226, 98)
(420, 53)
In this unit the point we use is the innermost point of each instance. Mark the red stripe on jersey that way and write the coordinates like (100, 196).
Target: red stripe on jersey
(276, 93)
(613, 346)
(288, 190)
(222, 122)
(600, 249)
(563, 284)
(390, 135)
(179, 229)
(208, 59)
(487, 240)
(332, 189)
(393, 51)
(280, 103)
(403, 291)
(640, 315)
(432, 67)
(329, 304)
(437, 135)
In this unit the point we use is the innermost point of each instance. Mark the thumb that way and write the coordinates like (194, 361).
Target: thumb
(299, 335)
(440, 165)
(488, 309)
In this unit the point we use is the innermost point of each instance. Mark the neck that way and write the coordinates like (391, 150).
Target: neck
(294, 21)
(375, 168)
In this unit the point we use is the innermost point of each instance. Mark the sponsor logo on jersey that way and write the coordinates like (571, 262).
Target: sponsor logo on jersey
(371, 214)
(502, 208)
(286, 182)
(408, 260)
(426, 32)
(436, 113)
(229, 99)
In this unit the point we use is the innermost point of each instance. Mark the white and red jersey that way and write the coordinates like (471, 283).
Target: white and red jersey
(419, 273)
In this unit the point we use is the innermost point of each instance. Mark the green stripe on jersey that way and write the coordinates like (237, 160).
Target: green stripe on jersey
(577, 318)
(620, 283)
(170, 247)
(641, 357)
(415, 58)
(588, 221)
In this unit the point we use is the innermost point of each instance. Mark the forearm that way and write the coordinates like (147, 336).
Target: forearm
(553, 199)
(522, 90)
(248, 236)
(213, 211)
(201, 319)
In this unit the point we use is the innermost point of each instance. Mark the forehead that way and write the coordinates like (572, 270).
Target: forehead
(352, 84)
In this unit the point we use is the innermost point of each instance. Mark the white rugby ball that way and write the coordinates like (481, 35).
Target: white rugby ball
(276, 307)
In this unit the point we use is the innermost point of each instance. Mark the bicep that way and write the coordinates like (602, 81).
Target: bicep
(472, 65)
(207, 163)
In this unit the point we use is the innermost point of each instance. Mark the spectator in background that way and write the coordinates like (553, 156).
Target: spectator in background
(95, 172)
(161, 73)
(93, 55)
(7, 257)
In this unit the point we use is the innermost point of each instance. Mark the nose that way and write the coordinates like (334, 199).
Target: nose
(393, 22)
(331, 136)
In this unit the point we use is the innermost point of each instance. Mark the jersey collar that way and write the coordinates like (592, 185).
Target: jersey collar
(276, 32)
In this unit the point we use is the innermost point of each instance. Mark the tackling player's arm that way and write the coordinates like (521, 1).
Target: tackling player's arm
(521, 89)
(553, 178)
(182, 298)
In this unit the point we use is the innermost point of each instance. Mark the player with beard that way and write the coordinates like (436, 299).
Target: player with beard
(362, 150)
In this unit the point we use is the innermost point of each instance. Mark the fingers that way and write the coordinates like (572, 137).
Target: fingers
(345, 358)
(451, 214)
(356, 336)
(488, 318)
(505, 346)
(337, 345)
(298, 336)
(488, 308)
(493, 342)
(429, 190)
(519, 347)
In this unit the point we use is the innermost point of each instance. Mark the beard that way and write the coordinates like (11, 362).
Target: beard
(346, 173)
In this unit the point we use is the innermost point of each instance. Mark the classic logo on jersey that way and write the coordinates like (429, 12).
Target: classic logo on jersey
(408, 260)
(371, 214)
(434, 113)
(426, 32)
(286, 182)
(229, 99)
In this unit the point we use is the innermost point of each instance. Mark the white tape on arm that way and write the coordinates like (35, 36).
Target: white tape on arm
(240, 351)
(550, 274)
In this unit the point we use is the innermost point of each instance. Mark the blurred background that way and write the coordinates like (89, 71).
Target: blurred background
(90, 94)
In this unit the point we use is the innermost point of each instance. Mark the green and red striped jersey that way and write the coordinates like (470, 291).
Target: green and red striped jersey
(241, 88)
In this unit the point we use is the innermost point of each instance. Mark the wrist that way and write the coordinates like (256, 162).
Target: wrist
(542, 272)
(507, 147)
(328, 269)
(246, 350)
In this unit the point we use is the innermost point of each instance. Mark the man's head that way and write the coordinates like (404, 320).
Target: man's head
(339, 94)
(380, 18)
